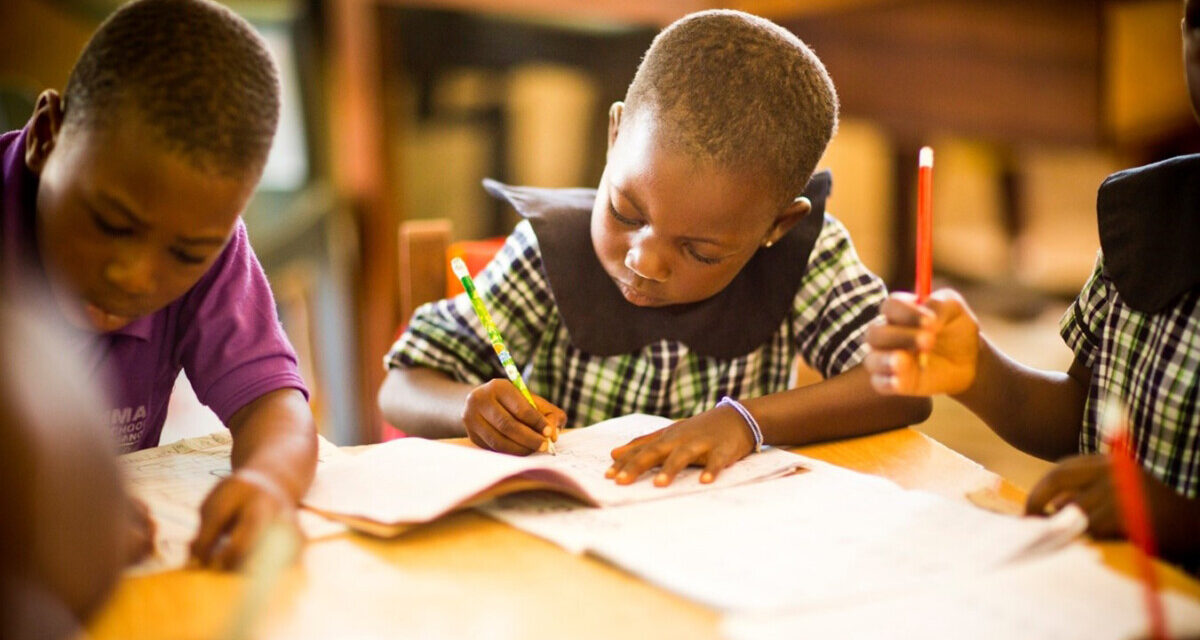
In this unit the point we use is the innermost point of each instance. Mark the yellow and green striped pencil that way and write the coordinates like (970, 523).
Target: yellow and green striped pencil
(506, 361)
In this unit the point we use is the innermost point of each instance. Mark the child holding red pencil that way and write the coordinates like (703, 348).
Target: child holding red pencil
(1135, 332)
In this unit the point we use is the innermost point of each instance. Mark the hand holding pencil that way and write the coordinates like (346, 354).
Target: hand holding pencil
(923, 343)
(943, 328)
(497, 417)
(503, 415)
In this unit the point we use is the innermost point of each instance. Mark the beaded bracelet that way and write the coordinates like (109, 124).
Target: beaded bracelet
(726, 401)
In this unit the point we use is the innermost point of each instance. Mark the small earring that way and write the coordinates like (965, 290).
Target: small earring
(768, 243)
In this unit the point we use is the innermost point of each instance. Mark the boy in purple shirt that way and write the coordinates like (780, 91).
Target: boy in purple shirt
(121, 201)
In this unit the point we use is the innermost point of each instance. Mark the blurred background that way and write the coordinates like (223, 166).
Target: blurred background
(394, 110)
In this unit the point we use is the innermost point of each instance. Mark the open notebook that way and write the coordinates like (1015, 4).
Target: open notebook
(412, 480)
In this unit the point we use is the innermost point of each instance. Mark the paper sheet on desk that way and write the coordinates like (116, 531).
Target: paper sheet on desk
(1059, 596)
(812, 539)
(173, 481)
(413, 480)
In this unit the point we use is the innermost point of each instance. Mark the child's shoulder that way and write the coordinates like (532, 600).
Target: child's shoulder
(517, 267)
(833, 245)
(832, 230)
(520, 251)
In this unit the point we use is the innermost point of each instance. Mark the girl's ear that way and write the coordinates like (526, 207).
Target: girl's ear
(44, 128)
(787, 219)
(614, 121)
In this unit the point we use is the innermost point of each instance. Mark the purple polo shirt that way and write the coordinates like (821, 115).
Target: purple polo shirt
(223, 332)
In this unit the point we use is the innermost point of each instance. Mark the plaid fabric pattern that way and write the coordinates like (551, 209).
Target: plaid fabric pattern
(836, 300)
(1152, 363)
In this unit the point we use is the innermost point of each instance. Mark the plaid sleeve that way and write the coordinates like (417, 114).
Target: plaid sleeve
(1082, 325)
(447, 336)
(837, 299)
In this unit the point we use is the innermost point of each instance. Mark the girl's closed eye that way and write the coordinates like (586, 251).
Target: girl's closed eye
(629, 222)
(691, 251)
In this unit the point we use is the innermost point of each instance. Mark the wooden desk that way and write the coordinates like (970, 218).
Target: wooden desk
(469, 576)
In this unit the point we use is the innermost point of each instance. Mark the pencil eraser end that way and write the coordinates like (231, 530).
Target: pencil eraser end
(460, 268)
(925, 157)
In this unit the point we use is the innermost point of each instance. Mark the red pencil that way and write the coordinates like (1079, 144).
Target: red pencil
(924, 233)
(924, 223)
(1127, 481)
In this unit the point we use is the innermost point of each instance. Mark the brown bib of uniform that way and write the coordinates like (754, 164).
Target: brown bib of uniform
(1149, 220)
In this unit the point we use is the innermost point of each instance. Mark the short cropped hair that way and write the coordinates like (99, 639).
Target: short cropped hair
(196, 73)
(740, 91)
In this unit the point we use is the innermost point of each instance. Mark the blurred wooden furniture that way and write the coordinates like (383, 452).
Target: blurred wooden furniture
(425, 252)
(469, 576)
(422, 246)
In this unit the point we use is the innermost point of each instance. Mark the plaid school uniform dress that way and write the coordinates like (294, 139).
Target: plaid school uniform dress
(1151, 362)
(825, 326)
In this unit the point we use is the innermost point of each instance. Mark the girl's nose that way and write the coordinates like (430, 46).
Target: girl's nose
(647, 261)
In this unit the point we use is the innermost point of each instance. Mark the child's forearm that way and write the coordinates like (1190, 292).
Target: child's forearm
(424, 402)
(1039, 412)
(842, 406)
(275, 435)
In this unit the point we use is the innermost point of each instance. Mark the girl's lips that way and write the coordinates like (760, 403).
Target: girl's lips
(636, 297)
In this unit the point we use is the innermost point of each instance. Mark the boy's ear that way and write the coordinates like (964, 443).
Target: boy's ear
(44, 128)
(614, 121)
(787, 219)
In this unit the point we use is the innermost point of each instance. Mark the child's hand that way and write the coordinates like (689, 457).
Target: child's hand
(236, 514)
(139, 536)
(716, 439)
(499, 418)
(944, 329)
(1087, 482)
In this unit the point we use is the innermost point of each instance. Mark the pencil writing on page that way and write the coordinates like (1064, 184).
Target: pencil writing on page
(510, 369)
